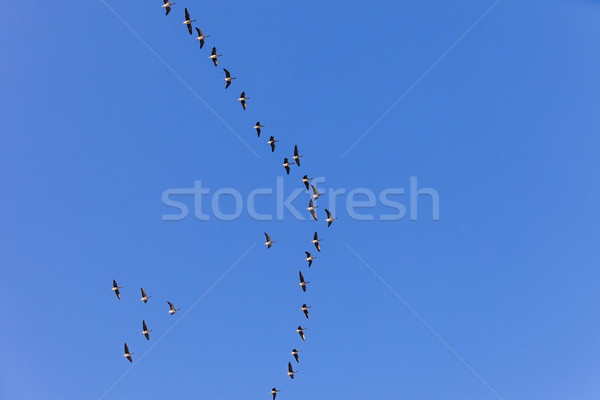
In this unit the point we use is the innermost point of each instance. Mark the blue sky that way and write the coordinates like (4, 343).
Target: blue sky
(505, 129)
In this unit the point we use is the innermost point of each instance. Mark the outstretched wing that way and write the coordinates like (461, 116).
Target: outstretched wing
(187, 15)
(168, 9)
(301, 276)
(314, 214)
(315, 191)
(227, 74)
(171, 305)
(190, 28)
(268, 237)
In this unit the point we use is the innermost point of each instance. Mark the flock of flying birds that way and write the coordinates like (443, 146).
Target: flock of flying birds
(287, 165)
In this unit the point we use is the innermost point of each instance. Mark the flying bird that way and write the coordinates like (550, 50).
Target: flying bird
(173, 309)
(243, 99)
(146, 332)
(316, 241)
(311, 208)
(291, 371)
(269, 241)
(167, 6)
(188, 21)
(296, 156)
(214, 56)
(329, 219)
(302, 282)
(127, 353)
(286, 164)
(257, 127)
(274, 392)
(309, 258)
(300, 331)
(305, 180)
(295, 354)
(144, 297)
(272, 142)
(316, 193)
(305, 309)
(116, 288)
(228, 78)
(201, 37)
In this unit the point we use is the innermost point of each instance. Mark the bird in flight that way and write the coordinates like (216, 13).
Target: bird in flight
(296, 156)
(127, 353)
(214, 56)
(291, 371)
(302, 282)
(311, 208)
(201, 37)
(243, 99)
(269, 242)
(116, 288)
(257, 127)
(144, 297)
(146, 332)
(295, 354)
(188, 21)
(316, 193)
(300, 331)
(274, 392)
(309, 258)
(305, 180)
(228, 78)
(286, 164)
(173, 310)
(329, 219)
(305, 309)
(316, 241)
(272, 142)
(167, 6)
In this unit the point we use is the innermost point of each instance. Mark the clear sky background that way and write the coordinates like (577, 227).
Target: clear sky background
(505, 128)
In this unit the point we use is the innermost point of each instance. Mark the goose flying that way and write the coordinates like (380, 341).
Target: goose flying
(116, 288)
(274, 392)
(300, 331)
(309, 258)
(257, 127)
(167, 6)
(144, 297)
(305, 309)
(272, 142)
(305, 180)
(296, 156)
(173, 310)
(127, 353)
(214, 56)
(316, 241)
(295, 354)
(188, 21)
(243, 99)
(286, 164)
(201, 37)
(302, 283)
(269, 242)
(146, 332)
(329, 219)
(291, 371)
(311, 208)
(316, 193)
(228, 78)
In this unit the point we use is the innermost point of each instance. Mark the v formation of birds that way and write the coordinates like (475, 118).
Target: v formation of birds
(287, 164)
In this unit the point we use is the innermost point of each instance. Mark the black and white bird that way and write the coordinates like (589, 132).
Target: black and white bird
(269, 242)
(309, 258)
(312, 208)
(316, 193)
(257, 127)
(272, 142)
(305, 180)
(291, 371)
(228, 78)
(116, 288)
(188, 21)
(302, 283)
(243, 99)
(316, 241)
(146, 332)
(296, 156)
(305, 309)
(214, 56)
(144, 296)
(167, 6)
(173, 310)
(295, 354)
(127, 353)
(201, 37)
(274, 392)
(329, 219)
(286, 164)
(300, 331)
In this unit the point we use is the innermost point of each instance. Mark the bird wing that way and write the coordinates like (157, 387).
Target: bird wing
(287, 169)
(190, 28)
(226, 86)
(143, 292)
(306, 184)
(314, 214)
(226, 73)
(296, 150)
(301, 276)
(147, 336)
(168, 9)
(258, 131)
(310, 203)
(315, 191)
(267, 236)
(115, 283)
(329, 224)
(214, 51)
(318, 246)
(118, 294)
(144, 325)
(187, 15)
(201, 43)
(272, 146)
(126, 348)
(306, 313)
(244, 104)
(215, 61)
(309, 263)
(165, 1)
(316, 236)
(199, 32)
(328, 213)
(297, 358)
(171, 305)
(243, 94)
(290, 369)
